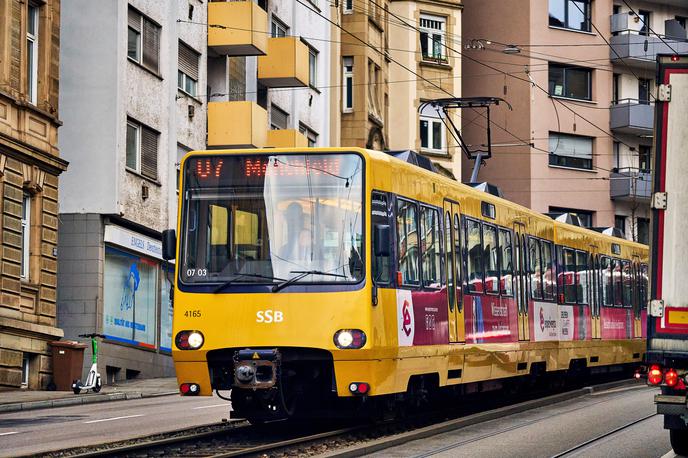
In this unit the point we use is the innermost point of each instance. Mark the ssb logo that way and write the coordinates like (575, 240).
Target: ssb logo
(269, 316)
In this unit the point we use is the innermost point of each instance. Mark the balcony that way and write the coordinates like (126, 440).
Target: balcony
(237, 125)
(630, 116)
(286, 138)
(237, 28)
(286, 64)
(640, 51)
(629, 184)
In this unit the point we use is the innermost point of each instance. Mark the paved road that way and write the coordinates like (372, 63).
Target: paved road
(551, 430)
(64, 427)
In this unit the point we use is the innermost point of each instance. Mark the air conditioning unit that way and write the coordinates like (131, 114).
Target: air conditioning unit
(191, 110)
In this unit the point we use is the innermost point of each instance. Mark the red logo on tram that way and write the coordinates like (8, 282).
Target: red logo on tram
(542, 320)
(406, 327)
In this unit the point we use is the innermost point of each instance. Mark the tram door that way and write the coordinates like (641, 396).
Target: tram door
(453, 261)
(596, 302)
(521, 290)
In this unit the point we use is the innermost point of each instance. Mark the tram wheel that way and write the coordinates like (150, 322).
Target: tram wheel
(679, 441)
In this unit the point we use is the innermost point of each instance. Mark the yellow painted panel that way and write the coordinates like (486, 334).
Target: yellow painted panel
(243, 28)
(286, 64)
(194, 372)
(237, 124)
(678, 316)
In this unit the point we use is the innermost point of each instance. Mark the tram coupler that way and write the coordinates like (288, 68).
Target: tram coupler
(256, 369)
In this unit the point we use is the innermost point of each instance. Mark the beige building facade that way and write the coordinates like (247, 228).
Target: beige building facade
(571, 142)
(425, 35)
(29, 170)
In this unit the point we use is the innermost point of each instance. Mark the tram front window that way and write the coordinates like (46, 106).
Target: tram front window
(264, 219)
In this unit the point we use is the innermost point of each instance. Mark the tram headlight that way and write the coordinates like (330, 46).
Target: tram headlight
(189, 340)
(349, 339)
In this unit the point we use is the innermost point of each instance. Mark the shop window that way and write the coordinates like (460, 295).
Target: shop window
(130, 298)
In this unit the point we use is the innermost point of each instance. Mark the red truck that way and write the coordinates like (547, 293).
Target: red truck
(667, 336)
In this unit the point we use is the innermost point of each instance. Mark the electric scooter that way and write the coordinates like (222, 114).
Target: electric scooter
(93, 381)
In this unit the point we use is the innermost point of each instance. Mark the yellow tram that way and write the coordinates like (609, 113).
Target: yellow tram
(310, 277)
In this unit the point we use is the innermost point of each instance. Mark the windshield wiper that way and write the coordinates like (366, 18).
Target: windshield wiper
(302, 274)
(236, 277)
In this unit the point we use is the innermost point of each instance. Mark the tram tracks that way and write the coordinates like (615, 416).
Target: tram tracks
(334, 440)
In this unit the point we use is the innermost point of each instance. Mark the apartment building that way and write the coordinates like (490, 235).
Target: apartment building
(578, 138)
(425, 67)
(133, 98)
(268, 74)
(29, 170)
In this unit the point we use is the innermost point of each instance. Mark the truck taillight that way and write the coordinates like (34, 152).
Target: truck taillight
(671, 378)
(655, 376)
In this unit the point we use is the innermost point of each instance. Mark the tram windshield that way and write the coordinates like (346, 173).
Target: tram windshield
(268, 218)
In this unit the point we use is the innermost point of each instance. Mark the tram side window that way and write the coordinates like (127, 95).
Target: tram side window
(582, 278)
(569, 276)
(407, 242)
(431, 247)
(506, 263)
(606, 281)
(534, 268)
(644, 286)
(561, 276)
(449, 256)
(618, 288)
(547, 270)
(627, 279)
(458, 256)
(491, 255)
(474, 258)
(380, 217)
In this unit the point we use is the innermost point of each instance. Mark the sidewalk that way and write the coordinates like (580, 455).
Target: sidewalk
(17, 400)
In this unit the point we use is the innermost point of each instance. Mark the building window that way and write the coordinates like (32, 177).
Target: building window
(432, 135)
(32, 53)
(26, 235)
(181, 152)
(644, 91)
(681, 21)
(348, 84)
(279, 28)
(26, 368)
(584, 216)
(374, 90)
(616, 152)
(279, 119)
(142, 149)
(312, 67)
(432, 37)
(573, 151)
(570, 14)
(644, 22)
(571, 82)
(237, 79)
(187, 74)
(143, 40)
(310, 134)
(616, 86)
(643, 230)
(644, 157)
(620, 223)
(348, 6)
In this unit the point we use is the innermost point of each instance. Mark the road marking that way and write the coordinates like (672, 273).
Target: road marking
(210, 407)
(113, 418)
(11, 432)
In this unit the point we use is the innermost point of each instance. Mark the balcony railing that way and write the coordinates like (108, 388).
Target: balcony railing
(637, 49)
(632, 116)
(237, 124)
(630, 184)
(237, 28)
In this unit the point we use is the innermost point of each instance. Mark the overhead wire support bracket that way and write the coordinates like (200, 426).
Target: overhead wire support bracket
(453, 103)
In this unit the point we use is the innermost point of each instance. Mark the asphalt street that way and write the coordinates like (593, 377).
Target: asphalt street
(58, 428)
(551, 430)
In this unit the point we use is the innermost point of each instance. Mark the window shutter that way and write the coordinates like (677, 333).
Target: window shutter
(279, 118)
(134, 20)
(151, 45)
(149, 153)
(188, 61)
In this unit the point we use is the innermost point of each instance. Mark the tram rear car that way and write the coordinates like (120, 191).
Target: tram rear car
(310, 279)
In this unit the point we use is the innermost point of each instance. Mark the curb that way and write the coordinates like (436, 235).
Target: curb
(79, 400)
(451, 425)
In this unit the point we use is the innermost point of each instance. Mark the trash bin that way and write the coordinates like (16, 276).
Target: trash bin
(68, 363)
